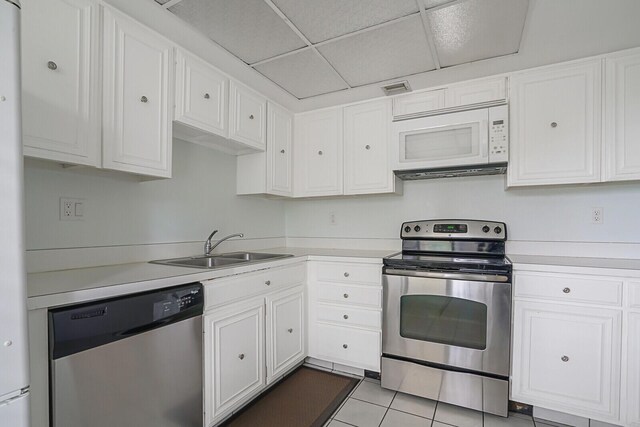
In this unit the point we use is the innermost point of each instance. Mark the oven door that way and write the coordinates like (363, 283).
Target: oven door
(453, 320)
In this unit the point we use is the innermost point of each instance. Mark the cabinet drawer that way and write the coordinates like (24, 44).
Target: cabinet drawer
(221, 291)
(349, 273)
(349, 316)
(353, 347)
(347, 294)
(634, 295)
(567, 287)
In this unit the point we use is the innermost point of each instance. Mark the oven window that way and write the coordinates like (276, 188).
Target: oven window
(444, 320)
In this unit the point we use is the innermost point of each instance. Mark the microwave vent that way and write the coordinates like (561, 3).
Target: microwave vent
(452, 172)
(396, 88)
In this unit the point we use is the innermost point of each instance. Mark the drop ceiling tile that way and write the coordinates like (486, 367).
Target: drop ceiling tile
(302, 74)
(428, 4)
(324, 20)
(471, 30)
(391, 51)
(161, 1)
(249, 29)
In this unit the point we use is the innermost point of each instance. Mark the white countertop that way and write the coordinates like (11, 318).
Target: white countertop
(62, 287)
(588, 265)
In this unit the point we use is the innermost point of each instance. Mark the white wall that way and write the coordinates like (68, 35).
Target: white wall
(120, 209)
(532, 214)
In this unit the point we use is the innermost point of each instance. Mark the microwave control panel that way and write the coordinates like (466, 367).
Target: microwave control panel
(499, 134)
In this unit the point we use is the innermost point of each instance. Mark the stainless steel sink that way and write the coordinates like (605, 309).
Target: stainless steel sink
(222, 260)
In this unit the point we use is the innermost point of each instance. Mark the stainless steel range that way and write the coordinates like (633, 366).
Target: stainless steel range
(447, 314)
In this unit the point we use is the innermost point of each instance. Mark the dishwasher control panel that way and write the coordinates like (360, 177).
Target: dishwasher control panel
(176, 302)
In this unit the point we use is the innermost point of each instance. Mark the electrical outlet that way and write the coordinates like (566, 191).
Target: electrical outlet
(71, 209)
(597, 215)
(332, 218)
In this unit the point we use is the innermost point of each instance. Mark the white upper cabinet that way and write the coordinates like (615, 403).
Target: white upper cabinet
(367, 133)
(60, 86)
(417, 103)
(279, 151)
(556, 125)
(318, 153)
(622, 118)
(137, 97)
(486, 91)
(247, 116)
(201, 95)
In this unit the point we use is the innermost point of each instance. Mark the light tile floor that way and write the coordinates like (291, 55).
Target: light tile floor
(369, 405)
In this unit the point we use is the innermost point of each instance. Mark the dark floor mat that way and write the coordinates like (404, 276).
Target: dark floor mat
(306, 398)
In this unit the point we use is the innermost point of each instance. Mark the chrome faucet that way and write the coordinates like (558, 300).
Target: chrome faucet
(208, 247)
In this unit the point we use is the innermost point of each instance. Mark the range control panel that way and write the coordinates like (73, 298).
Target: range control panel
(454, 229)
(498, 134)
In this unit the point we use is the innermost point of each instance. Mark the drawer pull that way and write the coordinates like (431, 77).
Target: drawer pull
(268, 282)
(565, 358)
(144, 99)
(282, 151)
(345, 317)
(52, 65)
(346, 274)
(367, 147)
(566, 290)
(346, 295)
(345, 346)
(251, 117)
(320, 153)
(554, 124)
(207, 96)
(241, 356)
(290, 330)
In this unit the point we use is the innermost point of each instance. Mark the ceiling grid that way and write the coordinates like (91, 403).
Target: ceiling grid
(314, 47)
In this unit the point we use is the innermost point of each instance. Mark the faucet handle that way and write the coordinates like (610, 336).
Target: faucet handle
(211, 235)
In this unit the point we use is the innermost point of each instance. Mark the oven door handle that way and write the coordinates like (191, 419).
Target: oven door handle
(452, 276)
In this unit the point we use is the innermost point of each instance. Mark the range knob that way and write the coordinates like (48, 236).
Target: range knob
(417, 228)
(498, 230)
(486, 229)
(407, 229)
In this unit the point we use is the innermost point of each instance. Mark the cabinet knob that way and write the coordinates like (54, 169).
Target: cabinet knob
(346, 274)
(206, 96)
(565, 358)
(241, 356)
(144, 100)
(367, 147)
(290, 330)
(282, 151)
(320, 153)
(52, 65)
(345, 346)
(566, 290)
(554, 124)
(345, 317)
(251, 117)
(268, 282)
(346, 295)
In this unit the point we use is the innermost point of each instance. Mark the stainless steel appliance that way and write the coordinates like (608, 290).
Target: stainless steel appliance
(447, 314)
(14, 354)
(129, 361)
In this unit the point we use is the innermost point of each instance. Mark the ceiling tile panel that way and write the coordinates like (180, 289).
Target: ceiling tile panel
(249, 29)
(161, 1)
(323, 20)
(302, 74)
(472, 30)
(391, 51)
(428, 4)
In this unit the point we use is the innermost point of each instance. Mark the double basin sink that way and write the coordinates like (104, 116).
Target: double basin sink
(222, 260)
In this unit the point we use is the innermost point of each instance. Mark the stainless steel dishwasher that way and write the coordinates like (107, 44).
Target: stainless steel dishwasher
(129, 361)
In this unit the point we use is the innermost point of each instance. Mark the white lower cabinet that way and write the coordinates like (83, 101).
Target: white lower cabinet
(234, 357)
(286, 327)
(633, 369)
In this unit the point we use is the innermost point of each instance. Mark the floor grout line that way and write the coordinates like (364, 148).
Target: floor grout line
(387, 411)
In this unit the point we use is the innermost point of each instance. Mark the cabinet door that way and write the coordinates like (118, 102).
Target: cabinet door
(279, 136)
(318, 153)
(633, 369)
(622, 118)
(234, 357)
(488, 91)
(285, 331)
(556, 125)
(138, 101)
(247, 116)
(60, 86)
(567, 358)
(201, 95)
(367, 133)
(415, 104)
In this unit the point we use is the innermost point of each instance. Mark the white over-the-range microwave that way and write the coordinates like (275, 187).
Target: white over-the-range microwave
(474, 142)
